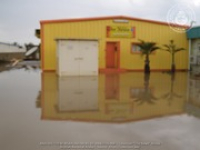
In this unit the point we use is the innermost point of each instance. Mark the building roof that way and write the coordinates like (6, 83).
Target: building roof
(108, 18)
(10, 48)
(193, 33)
(9, 44)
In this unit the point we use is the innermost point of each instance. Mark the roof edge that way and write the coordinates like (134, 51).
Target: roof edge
(109, 17)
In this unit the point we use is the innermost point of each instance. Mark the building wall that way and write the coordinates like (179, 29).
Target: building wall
(10, 48)
(96, 29)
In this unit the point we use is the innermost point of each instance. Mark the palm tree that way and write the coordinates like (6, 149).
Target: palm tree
(146, 49)
(172, 49)
(37, 33)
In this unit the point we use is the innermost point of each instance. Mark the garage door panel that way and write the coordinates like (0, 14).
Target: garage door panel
(89, 55)
(69, 59)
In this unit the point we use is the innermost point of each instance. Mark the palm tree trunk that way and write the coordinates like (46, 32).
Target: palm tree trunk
(173, 67)
(146, 81)
(147, 67)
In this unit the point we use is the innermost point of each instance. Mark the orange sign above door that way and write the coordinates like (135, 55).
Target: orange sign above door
(120, 32)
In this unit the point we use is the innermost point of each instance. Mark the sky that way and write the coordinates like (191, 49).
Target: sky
(20, 18)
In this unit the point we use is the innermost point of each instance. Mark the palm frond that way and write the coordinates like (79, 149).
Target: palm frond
(166, 50)
(147, 47)
(179, 49)
(167, 46)
(171, 47)
(155, 48)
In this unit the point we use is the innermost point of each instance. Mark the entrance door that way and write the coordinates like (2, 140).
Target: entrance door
(112, 53)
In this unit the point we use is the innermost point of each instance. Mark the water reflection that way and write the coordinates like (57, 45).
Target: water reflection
(4, 66)
(26, 65)
(112, 97)
(193, 103)
(38, 100)
(171, 95)
(146, 94)
(112, 86)
(77, 94)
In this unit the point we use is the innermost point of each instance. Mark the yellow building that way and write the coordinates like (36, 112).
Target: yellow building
(116, 36)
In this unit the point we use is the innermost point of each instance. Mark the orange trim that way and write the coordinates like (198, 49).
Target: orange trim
(107, 18)
(179, 70)
(46, 70)
(121, 70)
(42, 46)
(156, 70)
(106, 70)
(136, 70)
(42, 96)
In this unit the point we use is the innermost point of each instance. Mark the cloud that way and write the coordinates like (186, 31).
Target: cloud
(19, 18)
(196, 2)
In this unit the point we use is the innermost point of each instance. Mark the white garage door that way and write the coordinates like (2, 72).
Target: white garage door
(77, 58)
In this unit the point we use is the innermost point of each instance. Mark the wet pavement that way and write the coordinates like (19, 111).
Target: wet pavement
(41, 111)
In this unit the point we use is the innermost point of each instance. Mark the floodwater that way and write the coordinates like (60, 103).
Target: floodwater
(124, 111)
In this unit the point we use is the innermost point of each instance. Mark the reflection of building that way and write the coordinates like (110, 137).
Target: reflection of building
(87, 99)
(193, 103)
(194, 90)
(27, 65)
(112, 86)
(77, 94)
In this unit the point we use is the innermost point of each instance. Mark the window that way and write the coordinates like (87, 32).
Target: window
(135, 48)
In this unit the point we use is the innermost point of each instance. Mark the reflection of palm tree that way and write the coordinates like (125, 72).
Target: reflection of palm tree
(38, 100)
(171, 94)
(29, 67)
(146, 95)
(3, 66)
(9, 66)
